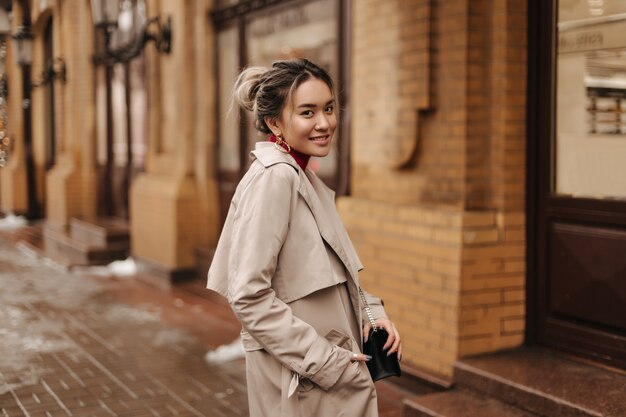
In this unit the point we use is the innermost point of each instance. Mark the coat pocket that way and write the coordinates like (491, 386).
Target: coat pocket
(339, 338)
(249, 343)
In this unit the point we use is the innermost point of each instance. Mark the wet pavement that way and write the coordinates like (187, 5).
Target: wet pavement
(75, 344)
(79, 346)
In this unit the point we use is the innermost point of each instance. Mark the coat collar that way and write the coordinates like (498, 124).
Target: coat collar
(321, 202)
(268, 155)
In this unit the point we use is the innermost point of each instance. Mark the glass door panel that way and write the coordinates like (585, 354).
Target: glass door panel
(591, 99)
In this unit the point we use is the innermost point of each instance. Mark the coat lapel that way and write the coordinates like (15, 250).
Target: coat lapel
(321, 202)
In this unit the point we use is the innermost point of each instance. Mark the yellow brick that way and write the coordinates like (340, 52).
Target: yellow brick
(390, 269)
(492, 282)
(417, 336)
(389, 227)
(392, 296)
(513, 295)
(452, 283)
(515, 234)
(504, 250)
(414, 319)
(473, 346)
(449, 313)
(474, 313)
(442, 326)
(514, 265)
(480, 328)
(418, 231)
(477, 219)
(439, 297)
(411, 214)
(506, 310)
(428, 308)
(452, 236)
(480, 236)
(441, 218)
(366, 251)
(481, 298)
(515, 325)
(507, 219)
(509, 341)
(483, 266)
(448, 343)
(404, 258)
(445, 267)
(423, 248)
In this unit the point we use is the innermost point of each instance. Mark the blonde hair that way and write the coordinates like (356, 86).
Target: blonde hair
(264, 91)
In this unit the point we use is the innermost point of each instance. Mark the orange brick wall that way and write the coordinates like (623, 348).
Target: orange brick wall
(438, 171)
(412, 258)
(174, 203)
(492, 314)
(71, 185)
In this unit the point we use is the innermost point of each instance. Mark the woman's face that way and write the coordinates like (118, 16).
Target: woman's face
(308, 120)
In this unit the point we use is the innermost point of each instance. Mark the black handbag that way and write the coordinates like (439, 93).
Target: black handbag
(381, 365)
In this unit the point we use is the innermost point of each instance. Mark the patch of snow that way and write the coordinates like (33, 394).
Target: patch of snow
(124, 313)
(226, 353)
(125, 268)
(12, 222)
(168, 337)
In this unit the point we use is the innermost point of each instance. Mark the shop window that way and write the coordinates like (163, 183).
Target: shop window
(591, 99)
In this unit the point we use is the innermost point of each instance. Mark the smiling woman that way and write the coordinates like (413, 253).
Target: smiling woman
(285, 262)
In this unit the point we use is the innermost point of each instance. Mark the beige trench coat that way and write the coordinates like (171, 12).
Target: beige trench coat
(282, 258)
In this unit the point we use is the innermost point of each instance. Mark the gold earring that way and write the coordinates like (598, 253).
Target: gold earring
(281, 144)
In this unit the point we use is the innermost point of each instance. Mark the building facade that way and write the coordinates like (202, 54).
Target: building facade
(459, 165)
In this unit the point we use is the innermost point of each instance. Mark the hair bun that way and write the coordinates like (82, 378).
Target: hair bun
(247, 87)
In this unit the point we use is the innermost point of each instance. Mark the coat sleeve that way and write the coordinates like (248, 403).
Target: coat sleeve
(260, 227)
(376, 305)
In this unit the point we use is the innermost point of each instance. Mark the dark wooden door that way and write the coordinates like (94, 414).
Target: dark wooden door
(577, 210)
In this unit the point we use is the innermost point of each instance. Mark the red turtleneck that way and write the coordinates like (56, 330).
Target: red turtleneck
(301, 158)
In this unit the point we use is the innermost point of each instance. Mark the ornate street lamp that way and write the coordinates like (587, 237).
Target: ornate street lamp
(104, 13)
(107, 13)
(23, 46)
(115, 22)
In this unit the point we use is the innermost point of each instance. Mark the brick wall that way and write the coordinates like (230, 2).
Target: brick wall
(72, 185)
(174, 204)
(437, 204)
(412, 258)
(492, 313)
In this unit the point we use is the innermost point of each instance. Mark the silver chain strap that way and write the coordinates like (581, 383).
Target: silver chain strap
(368, 311)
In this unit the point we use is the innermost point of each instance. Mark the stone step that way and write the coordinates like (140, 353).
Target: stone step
(545, 383)
(68, 251)
(204, 256)
(459, 403)
(101, 232)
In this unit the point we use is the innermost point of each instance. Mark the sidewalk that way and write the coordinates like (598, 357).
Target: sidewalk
(79, 345)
